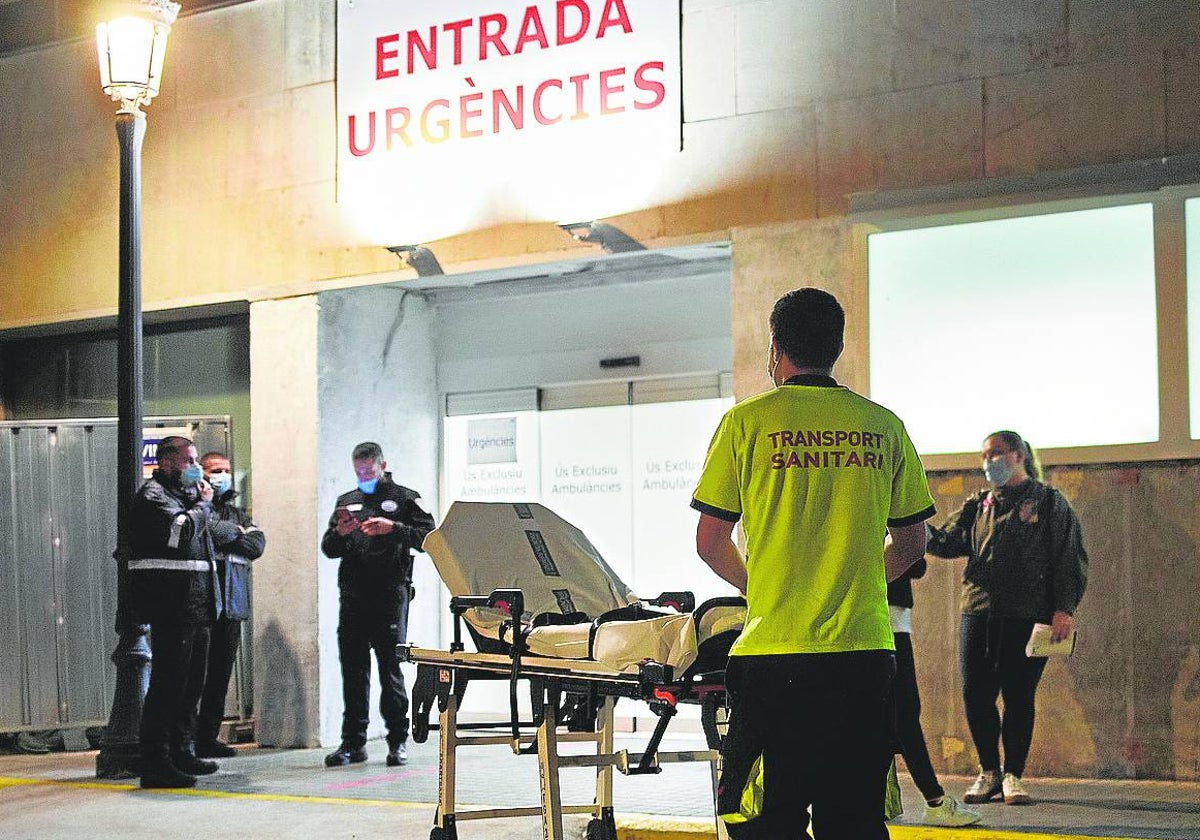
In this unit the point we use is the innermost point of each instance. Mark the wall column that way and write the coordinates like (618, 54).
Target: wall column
(283, 429)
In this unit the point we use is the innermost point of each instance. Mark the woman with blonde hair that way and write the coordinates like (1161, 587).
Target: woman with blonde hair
(1026, 565)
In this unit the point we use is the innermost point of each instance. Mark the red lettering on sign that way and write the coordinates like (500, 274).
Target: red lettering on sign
(355, 149)
(487, 36)
(580, 110)
(658, 90)
(382, 54)
(531, 30)
(538, 113)
(515, 112)
(607, 89)
(564, 37)
(428, 50)
(455, 28)
(614, 14)
(443, 124)
(394, 130)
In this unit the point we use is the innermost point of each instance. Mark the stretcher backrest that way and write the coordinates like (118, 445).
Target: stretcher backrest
(483, 546)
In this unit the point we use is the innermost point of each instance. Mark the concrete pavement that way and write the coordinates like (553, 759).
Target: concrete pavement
(289, 793)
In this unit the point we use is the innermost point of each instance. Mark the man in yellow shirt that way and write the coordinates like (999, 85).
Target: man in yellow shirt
(833, 500)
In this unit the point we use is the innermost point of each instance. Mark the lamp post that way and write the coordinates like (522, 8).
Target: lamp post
(131, 42)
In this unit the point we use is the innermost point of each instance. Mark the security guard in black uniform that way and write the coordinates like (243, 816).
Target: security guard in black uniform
(237, 547)
(374, 529)
(174, 589)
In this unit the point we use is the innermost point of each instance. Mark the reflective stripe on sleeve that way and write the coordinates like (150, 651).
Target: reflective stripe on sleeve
(237, 559)
(176, 531)
(170, 565)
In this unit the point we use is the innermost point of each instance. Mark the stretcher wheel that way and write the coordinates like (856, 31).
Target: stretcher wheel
(448, 833)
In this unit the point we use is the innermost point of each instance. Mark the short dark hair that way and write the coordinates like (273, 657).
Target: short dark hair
(368, 450)
(170, 445)
(1033, 466)
(213, 454)
(808, 325)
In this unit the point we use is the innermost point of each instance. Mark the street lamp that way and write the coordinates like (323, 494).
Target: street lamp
(131, 42)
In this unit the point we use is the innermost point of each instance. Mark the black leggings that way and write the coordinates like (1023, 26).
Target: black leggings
(907, 704)
(994, 664)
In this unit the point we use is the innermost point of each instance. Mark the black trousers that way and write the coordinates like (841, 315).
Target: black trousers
(907, 707)
(362, 630)
(179, 655)
(225, 638)
(994, 664)
(820, 724)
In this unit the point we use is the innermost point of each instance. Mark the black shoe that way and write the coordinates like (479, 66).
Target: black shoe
(397, 756)
(344, 755)
(215, 749)
(161, 773)
(188, 763)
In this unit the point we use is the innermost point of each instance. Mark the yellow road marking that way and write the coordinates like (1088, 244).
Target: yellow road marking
(215, 794)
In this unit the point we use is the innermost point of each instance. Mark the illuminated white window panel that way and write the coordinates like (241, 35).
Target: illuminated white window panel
(1192, 245)
(1042, 324)
(669, 444)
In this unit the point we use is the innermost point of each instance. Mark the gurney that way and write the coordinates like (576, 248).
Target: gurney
(546, 613)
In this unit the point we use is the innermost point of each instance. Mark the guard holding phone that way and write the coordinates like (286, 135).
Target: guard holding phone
(374, 530)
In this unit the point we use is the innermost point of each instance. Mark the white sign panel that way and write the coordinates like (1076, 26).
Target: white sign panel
(585, 478)
(670, 441)
(492, 441)
(468, 113)
(492, 458)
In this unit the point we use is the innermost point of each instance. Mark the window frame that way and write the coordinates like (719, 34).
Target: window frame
(956, 205)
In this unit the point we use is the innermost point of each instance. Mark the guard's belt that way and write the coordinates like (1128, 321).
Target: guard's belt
(170, 565)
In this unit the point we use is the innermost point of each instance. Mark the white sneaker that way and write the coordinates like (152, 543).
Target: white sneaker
(950, 813)
(1014, 791)
(986, 787)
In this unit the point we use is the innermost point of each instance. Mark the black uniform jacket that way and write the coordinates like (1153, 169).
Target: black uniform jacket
(238, 541)
(378, 569)
(171, 569)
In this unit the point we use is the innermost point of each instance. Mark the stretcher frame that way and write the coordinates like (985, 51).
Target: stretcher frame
(444, 675)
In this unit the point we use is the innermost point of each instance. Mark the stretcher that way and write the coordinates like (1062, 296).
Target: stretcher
(546, 613)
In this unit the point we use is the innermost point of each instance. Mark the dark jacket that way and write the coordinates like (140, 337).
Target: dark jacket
(169, 524)
(1024, 550)
(378, 569)
(238, 541)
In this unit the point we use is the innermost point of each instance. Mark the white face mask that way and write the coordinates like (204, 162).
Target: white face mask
(997, 470)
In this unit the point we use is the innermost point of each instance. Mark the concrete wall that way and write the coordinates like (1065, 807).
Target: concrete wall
(1127, 704)
(287, 632)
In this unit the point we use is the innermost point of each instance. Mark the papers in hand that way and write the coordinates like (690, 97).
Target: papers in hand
(1040, 645)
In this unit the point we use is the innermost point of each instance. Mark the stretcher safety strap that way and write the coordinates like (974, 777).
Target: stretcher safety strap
(176, 531)
(170, 565)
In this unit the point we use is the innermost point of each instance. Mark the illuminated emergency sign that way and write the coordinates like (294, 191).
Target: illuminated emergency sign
(468, 113)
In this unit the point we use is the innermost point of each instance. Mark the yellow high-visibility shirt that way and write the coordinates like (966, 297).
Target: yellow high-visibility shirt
(816, 473)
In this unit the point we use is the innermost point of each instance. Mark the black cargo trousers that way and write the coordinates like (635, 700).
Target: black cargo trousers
(373, 622)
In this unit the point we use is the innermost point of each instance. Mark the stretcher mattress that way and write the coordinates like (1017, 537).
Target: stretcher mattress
(575, 605)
